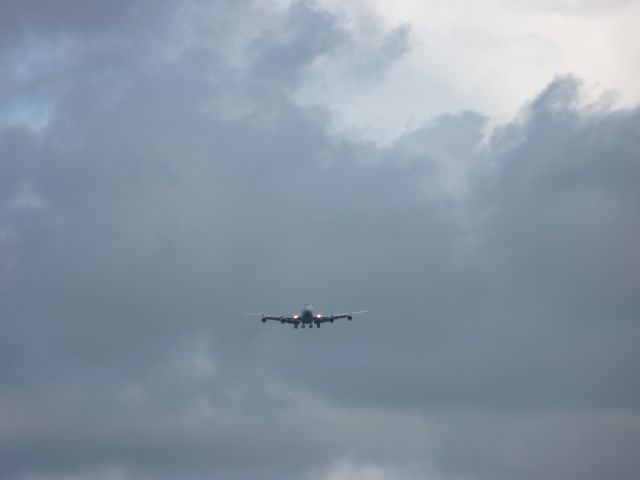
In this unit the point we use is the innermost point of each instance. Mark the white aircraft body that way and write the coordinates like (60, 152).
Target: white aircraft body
(307, 317)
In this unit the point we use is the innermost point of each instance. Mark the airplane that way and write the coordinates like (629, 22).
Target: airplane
(306, 317)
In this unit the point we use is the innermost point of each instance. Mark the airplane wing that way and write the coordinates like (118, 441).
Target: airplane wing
(287, 320)
(337, 316)
(278, 318)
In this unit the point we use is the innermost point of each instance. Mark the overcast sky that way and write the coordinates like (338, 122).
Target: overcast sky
(468, 172)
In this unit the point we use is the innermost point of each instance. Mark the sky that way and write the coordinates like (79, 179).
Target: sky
(465, 171)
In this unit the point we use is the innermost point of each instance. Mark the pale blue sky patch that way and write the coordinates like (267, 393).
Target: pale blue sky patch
(29, 112)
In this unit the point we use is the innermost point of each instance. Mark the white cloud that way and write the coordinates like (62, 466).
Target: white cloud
(347, 469)
(486, 56)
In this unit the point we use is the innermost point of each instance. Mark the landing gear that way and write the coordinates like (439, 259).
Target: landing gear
(304, 326)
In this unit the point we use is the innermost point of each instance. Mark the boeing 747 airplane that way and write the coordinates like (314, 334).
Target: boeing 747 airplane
(307, 317)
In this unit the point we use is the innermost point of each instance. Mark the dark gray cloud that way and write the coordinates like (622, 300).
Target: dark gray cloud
(281, 54)
(35, 18)
(173, 189)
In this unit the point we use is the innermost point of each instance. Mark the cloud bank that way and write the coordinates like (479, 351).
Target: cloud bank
(159, 176)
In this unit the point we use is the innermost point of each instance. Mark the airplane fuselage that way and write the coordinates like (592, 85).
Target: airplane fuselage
(306, 316)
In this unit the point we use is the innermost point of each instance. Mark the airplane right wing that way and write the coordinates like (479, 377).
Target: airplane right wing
(278, 318)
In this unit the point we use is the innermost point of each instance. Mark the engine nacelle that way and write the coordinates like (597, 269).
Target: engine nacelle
(332, 318)
(349, 317)
(264, 320)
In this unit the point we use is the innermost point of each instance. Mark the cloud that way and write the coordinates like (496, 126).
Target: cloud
(311, 33)
(173, 188)
(581, 7)
(487, 57)
(346, 469)
(22, 20)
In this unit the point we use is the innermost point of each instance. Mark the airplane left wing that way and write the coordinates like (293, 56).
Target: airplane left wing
(337, 316)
